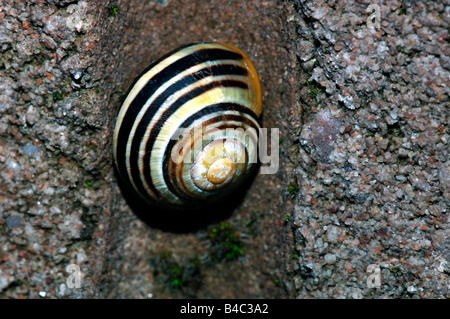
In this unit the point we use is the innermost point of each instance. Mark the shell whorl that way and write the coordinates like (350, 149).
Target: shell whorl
(188, 128)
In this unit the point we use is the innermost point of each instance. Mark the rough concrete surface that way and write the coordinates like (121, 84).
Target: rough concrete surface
(358, 208)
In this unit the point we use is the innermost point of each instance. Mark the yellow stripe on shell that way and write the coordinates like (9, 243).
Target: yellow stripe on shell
(254, 85)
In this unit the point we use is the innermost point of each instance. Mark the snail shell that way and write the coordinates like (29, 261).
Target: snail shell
(210, 92)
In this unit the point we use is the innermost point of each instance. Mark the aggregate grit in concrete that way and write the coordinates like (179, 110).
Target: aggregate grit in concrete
(362, 192)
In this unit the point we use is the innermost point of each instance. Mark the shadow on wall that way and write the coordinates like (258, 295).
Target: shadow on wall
(186, 220)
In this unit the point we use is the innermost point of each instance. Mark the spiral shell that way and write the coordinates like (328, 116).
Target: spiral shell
(187, 132)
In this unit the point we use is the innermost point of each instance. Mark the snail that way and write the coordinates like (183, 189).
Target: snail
(187, 132)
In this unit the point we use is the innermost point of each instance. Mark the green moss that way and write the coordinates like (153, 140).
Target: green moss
(314, 89)
(57, 96)
(114, 11)
(175, 274)
(177, 282)
(395, 270)
(226, 242)
(293, 189)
